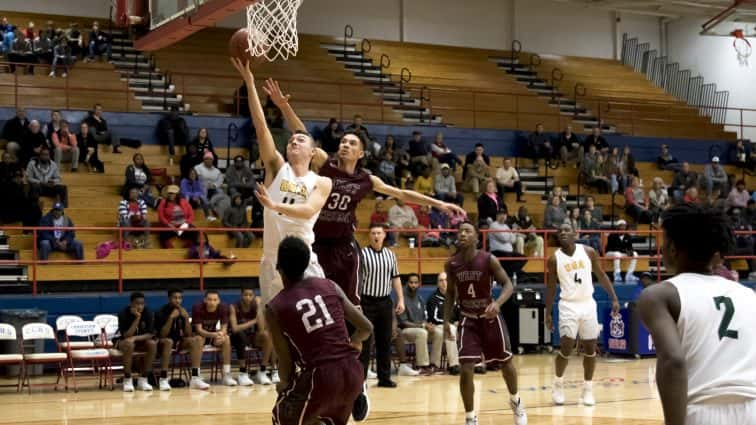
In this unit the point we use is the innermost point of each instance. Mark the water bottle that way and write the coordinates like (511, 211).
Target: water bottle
(514, 279)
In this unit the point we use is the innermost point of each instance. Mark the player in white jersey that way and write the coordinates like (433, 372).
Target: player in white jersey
(292, 194)
(702, 325)
(572, 265)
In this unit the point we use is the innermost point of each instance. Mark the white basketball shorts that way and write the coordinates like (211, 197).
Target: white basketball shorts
(710, 414)
(578, 318)
(270, 280)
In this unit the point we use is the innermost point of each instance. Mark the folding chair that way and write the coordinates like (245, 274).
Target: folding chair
(61, 323)
(98, 357)
(37, 331)
(8, 333)
(215, 354)
(102, 321)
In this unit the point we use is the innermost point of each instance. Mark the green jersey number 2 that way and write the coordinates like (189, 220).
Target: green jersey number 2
(729, 310)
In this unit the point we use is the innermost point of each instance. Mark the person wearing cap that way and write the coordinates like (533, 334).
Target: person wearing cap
(55, 238)
(445, 187)
(175, 213)
(620, 245)
(715, 176)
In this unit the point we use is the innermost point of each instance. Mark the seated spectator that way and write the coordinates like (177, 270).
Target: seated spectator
(330, 136)
(596, 211)
(477, 176)
(684, 179)
(435, 314)
(387, 169)
(489, 203)
(172, 130)
(204, 144)
(738, 196)
(415, 328)
(555, 214)
(175, 213)
(615, 168)
(558, 192)
(445, 188)
(66, 147)
(75, 40)
(744, 242)
(50, 31)
(477, 154)
(402, 216)
(44, 178)
(194, 192)
(569, 146)
(8, 38)
(42, 47)
(380, 216)
(691, 196)
(442, 153)
(54, 125)
(528, 244)
(399, 155)
(99, 126)
(588, 222)
(190, 159)
(88, 149)
(715, 200)
(658, 198)
(360, 130)
(636, 202)
(135, 334)
(21, 52)
(55, 238)
(99, 43)
(740, 155)
(620, 245)
(598, 176)
(5, 26)
(138, 175)
(236, 217)
(132, 212)
(241, 180)
(508, 180)
(372, 157)
(18, 203)
(418, 150)
(15, 129)
(212, 180)
(246, 323)
(32, 143)
(440, 220)
(540, 145)
(665, 160)
(587, 164)
(715, 176)
(424, 182)
(428, 239)
(501, 243)
(206, 315)
(61, 56)
(597, 140)
(406, 181)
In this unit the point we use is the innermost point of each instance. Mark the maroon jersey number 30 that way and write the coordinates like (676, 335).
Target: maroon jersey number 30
(337, 219)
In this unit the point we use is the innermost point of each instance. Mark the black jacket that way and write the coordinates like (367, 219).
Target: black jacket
(14, 129)
(618, 242)
(435, 309)
(487, 208)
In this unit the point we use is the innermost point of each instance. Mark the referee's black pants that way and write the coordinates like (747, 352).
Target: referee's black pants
(380, 312)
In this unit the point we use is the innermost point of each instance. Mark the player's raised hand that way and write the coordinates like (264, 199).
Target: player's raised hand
(263, 197)
(273, 90)
(453, 209)
(492, 310)
(244, 70)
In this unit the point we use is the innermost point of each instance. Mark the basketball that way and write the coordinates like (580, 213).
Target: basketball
(238, 45)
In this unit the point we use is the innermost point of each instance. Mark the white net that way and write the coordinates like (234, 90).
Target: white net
(272, 28)
(743, 49)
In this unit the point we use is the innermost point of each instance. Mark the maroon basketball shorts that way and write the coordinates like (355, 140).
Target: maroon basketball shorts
(483, 339)
(324, 393)
(340, 260)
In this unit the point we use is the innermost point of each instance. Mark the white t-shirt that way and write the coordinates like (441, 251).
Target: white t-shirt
(506, 176)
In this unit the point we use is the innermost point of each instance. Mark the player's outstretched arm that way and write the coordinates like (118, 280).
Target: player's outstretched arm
(414, 197)
(363, 327)
(506, 287)
(551, 287)
(451, 301)
(285, 361)
(657, 304)
(314, 204)
(603, 279)
(270, 156)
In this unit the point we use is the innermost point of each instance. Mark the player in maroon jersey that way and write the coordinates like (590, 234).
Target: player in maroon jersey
(307, 321)
(482, 333)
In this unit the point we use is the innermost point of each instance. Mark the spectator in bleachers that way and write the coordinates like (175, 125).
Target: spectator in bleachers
(380, 217)
(415, 327)
(428, 239)
(508, 180)
(587, 163)
(715, 176)
(684, 179)
(138, 175)
(399, 155)
(61, 56)
(372, 158)
(665, 160)
(330, 136)
(744, 243)
(478, 153)
(418, 150)
(235, 216)
(210, 321)
(620, 245)
(628, 167)
(558, 192)
(99, 126)
(424, 182)
(21, 52)
(445, 187)
(442, 153)
(32, 142)
(190, 159)
(248, 330)
(175, 213)
(194, 192)
(598, 176)
(440, 220)
(588, 222)
(740, 155)
(204, 144)
(360, 130)
(387, 169)
(402, 216)
(435, 314)
(44, 178)
(5, 26)
(597, 140)
(18, 204)
(66, 147)
(9, 37)
(555, 214)
(88, 149)
(29, 31)
(75, 40)
(615, 167)
(715, 200)
(526, 242)
(57, 239)
(173, 329)
(172, 130)
(501, 243)
(136, 325)
(49, 32)
(596, 211)
(213, 181)
(132, 212)
(406, 181)
(691, 195)
(99, 43)
(489, 202)
(636, 202)
(477, 176)
(241, 180)
(42, 47)
(569, 147)
(15, 129)
(540, 145)
(738, 196)
(658, 198)
(54, 125)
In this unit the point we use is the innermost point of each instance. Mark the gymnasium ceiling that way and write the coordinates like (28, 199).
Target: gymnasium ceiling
(672, 8)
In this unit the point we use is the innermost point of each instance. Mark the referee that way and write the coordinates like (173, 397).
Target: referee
(379, 274)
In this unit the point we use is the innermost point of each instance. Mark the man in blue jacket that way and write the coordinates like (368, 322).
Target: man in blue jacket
(57, 239)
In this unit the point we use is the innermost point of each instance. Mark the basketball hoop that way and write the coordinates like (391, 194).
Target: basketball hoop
(272, 28)
(742, 47)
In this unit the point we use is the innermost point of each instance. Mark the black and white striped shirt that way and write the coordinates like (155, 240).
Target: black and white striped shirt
(379, 268)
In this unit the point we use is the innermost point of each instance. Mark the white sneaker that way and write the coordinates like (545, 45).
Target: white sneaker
(518, 409)
(587, 397)
(229, 381)
(64, 75)
(128, 385)
(371, 374)
(274, 378)
(262, 378)
(197, 383)
(471, 421)
(244, 381)
(143, 385)
(164, 384)
(211, 218)
(52, 74)
(406, 370)
(557, 394)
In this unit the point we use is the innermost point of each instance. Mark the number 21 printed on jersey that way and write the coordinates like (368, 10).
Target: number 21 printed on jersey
(310, 310)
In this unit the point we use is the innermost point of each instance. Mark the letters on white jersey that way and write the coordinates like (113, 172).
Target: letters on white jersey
(574, 273)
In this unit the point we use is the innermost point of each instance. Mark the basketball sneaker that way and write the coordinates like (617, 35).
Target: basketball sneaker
(557, 394)
(244, 381)
(164, 384)
(471, 421)
(229, 380)
(196, 383)
(406, 370)
(274, 378)
(361, 407)
(262, 378)
(587, 397)
(128, 385)
(143, 385)
(371, 374)
(518, 410)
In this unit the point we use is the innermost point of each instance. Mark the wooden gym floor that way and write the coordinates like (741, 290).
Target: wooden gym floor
(624, 389)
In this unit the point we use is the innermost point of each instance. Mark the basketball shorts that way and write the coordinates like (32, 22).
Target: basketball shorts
(324, 393)
(481, 337)
(271, 283)
(578, 318)
(732, 413)
(340, 260)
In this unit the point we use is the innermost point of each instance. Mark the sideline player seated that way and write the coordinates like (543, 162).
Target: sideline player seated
(248, 330)
(307, 321)
(482, 332)
(572, 265)
(702, 325)
(210, 319)
(135, 323)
